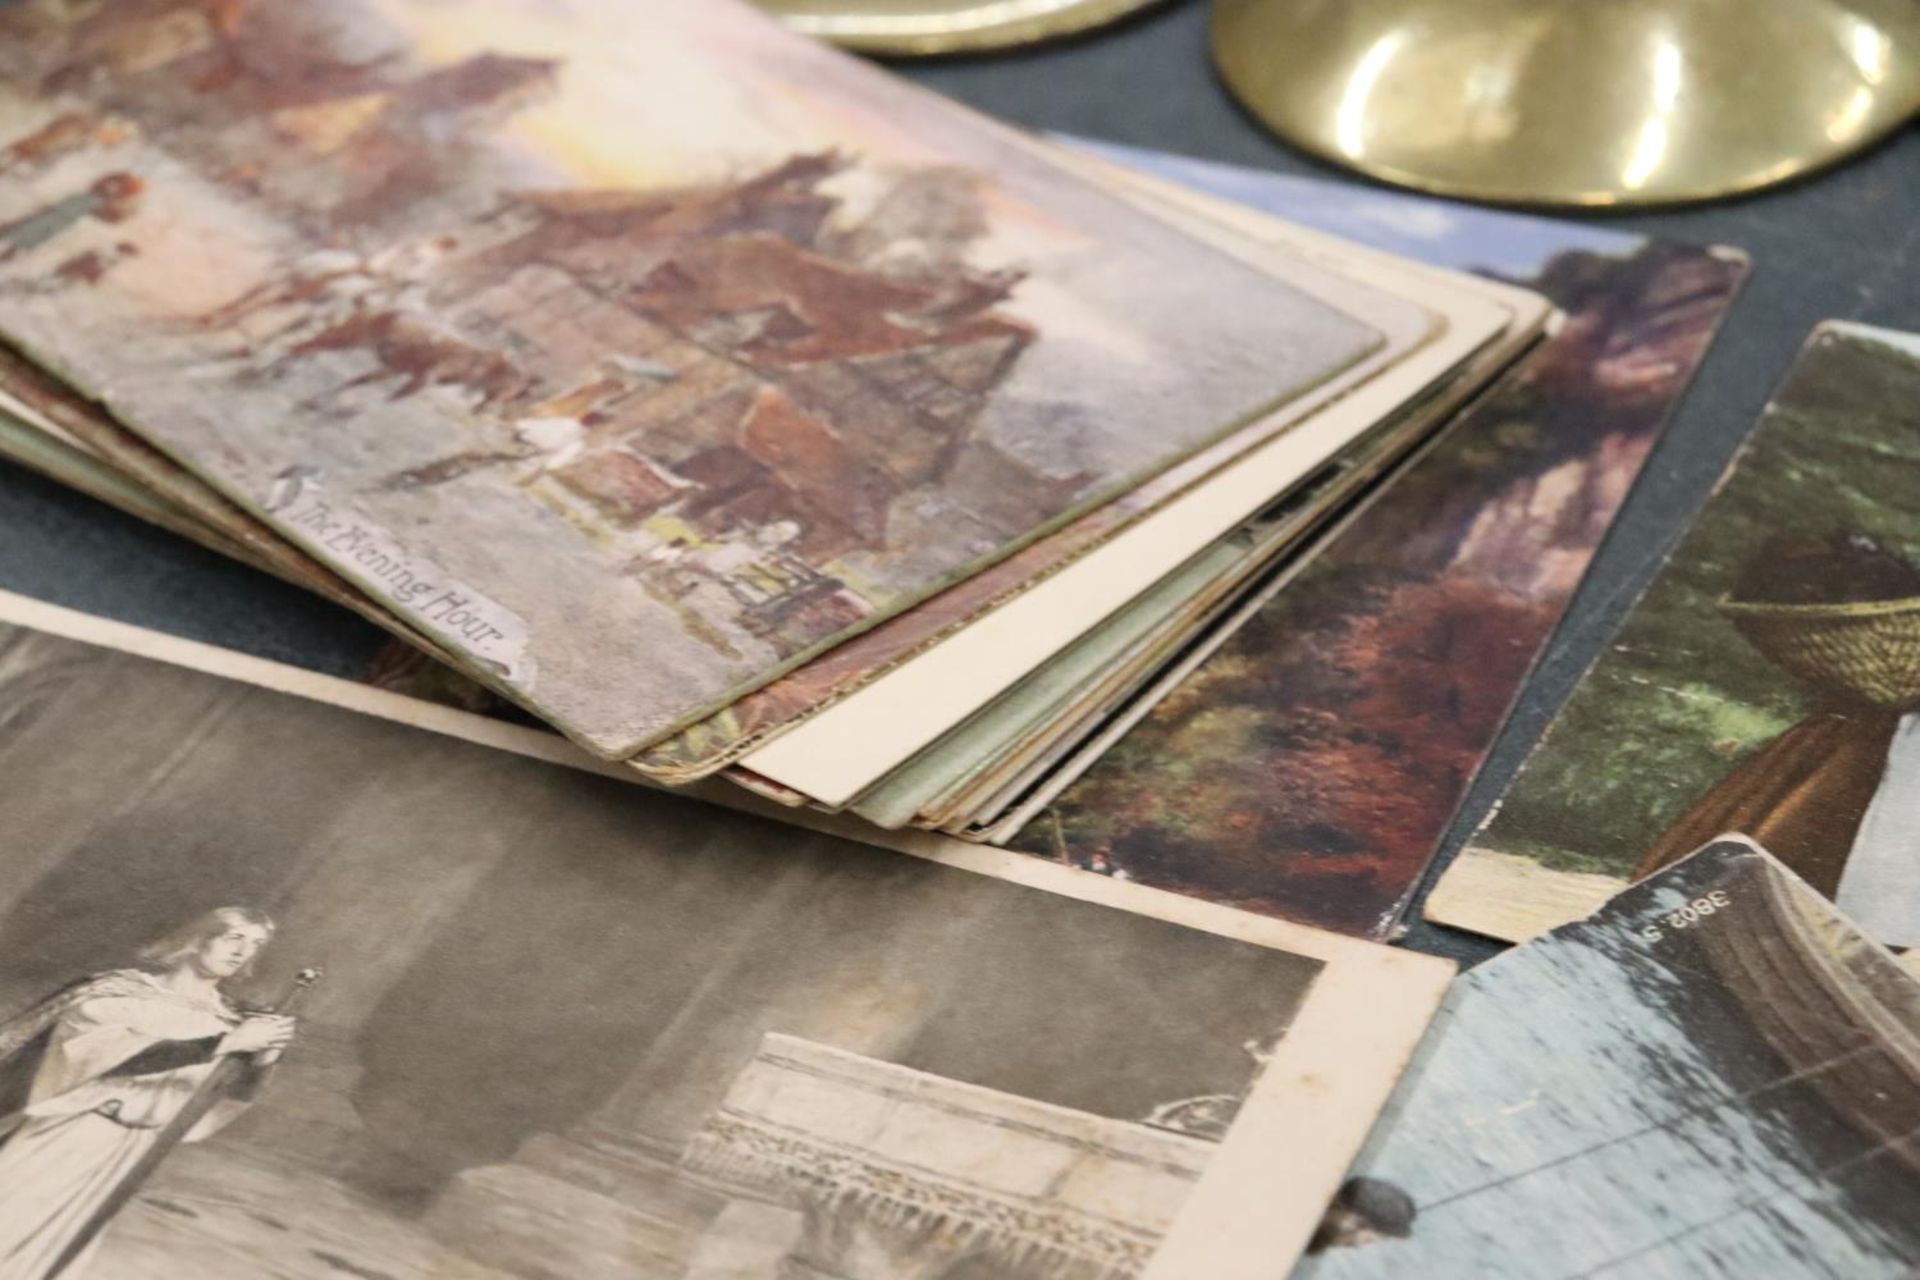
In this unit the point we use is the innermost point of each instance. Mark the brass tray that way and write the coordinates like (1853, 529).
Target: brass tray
(1575, 102)
(922, 27)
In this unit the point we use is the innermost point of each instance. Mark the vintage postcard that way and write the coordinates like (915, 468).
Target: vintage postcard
(300, 991)
(1404, 325)
(1716, 1075)
(500, 308)
(1766, 683)
(1334, 276)
(1410, 310)
(851, 744)
(1306, 513)
(1309, 767)
(1335, 270)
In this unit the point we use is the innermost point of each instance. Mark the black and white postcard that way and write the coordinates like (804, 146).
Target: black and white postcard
(295, 991)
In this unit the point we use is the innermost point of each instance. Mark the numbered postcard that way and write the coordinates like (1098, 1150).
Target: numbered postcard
(288, 989)
(1767, 683)
(503, 310)
(1716, 1075)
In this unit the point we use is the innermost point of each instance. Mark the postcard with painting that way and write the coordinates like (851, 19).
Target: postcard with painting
(1310, 765)
(293, 990)
(1426, 319)
(499, 308)
(1435, 304)
(1716, 1075)
(843, 749)
(1767, 683)
(992, 801)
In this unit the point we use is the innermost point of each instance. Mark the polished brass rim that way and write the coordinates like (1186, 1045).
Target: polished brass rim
(918, 28)
(1575, 103)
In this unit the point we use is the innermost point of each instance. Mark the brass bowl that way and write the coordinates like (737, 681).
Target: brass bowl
(1866, 652)
(1575, 102)
(921, 27)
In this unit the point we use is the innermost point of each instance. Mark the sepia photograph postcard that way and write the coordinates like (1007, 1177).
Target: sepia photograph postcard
(1767, 682)
(1716, 1075)
(292, 987)
(409, 279)
(1309, 767)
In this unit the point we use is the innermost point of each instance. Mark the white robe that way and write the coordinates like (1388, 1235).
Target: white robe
(82, 1128)
(1880, 887)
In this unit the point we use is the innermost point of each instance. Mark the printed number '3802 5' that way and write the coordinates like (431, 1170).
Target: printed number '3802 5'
(1687, 916)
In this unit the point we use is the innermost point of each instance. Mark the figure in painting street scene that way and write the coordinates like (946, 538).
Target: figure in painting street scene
(92, 1076)
(114, 198)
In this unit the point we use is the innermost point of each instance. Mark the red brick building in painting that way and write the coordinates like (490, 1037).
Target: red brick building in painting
(711, 357)
(749, 386)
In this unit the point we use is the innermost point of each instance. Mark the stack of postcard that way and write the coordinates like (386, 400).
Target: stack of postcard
(720, 400)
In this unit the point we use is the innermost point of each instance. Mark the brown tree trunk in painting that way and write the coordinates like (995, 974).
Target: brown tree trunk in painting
(1802, 796)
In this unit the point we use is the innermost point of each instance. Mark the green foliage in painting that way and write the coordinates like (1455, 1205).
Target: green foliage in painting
(1681, 697)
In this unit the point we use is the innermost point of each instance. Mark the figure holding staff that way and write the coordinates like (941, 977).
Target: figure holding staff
(102, 1079)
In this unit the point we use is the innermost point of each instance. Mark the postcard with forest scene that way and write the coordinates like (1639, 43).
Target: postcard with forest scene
(500, 308)
(1309, 767)
(1766, 684)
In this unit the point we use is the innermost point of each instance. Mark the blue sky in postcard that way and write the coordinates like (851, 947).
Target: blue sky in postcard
(1436, 231)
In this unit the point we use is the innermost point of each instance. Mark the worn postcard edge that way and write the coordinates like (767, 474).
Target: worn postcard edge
(1275, 254)
(1000, 817)
(841, 749)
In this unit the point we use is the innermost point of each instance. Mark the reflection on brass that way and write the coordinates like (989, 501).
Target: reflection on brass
(903, 27)
(1575, 102)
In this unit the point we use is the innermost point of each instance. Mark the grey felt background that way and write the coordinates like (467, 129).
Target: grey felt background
(1844, 245)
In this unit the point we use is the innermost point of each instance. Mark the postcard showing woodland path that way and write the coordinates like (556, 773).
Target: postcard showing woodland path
(1310, 766)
